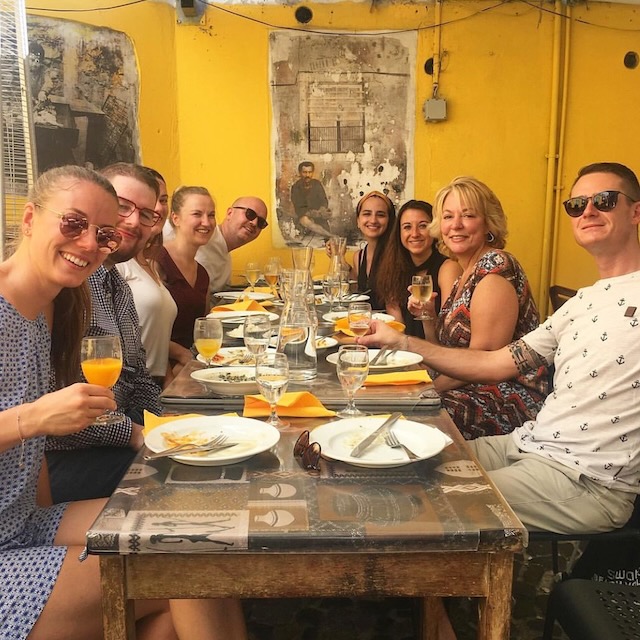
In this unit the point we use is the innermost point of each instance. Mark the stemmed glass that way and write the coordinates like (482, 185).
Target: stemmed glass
(101, 362)
(207, 336)
(272, 376)
(359, 316)
(271, 271)
(352, 368)
(331, 288)
(421, 289)
(252, 273)
(343, 288)
(257, 333)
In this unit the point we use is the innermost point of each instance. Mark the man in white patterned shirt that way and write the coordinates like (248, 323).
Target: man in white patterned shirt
(90, 463)
(576, 467)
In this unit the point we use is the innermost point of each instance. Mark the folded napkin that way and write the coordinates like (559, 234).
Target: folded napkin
(259, 290)
(300, 404)
(241, 305)
(342, 324)
(397, 377)
(151, 421)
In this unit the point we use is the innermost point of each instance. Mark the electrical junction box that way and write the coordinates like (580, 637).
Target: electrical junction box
(435, 110)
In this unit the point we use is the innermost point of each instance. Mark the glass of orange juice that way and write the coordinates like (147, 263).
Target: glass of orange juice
(207, 337)
(101, 362)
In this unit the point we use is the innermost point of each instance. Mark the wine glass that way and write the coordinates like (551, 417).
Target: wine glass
(252, 273)
(207, 337)
(257, 333)
(271, 272)
(352, 368)
(343, 288)
(331, 288)
(359, 316)
(272, 376)
(421, 289)
(101, 362)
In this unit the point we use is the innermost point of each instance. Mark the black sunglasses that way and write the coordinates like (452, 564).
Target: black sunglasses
(74, 224)
(147, 217)
(251, 215)
(603, 201)
(308, 454)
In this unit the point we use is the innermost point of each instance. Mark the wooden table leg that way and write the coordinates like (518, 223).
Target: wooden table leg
(117, 611)
(495, 610)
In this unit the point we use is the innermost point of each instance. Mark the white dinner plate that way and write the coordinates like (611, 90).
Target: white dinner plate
(237, 317)
(397, 360)
(352, 297)
(252, 436)
(336, 315)
(337, 440)
(231, 357)
(252, 295)
(229, 381)
(322, 342)
(237, 333)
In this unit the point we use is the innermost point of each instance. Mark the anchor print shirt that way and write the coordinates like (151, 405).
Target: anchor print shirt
(590, 422)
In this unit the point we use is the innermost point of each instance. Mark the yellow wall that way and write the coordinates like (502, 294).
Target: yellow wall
(205, 113)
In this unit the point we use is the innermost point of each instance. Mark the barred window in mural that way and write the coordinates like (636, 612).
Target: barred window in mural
(343, 123)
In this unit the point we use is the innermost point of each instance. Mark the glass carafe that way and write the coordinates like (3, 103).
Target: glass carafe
(337, 248)
(298, 327)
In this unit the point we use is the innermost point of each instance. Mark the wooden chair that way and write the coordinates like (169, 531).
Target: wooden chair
(559, 295)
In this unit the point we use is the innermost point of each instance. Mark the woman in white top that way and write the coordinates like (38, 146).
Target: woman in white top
(156, 307)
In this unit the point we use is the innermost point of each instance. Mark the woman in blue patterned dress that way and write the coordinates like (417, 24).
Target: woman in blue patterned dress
(490, 305)
(68, 229)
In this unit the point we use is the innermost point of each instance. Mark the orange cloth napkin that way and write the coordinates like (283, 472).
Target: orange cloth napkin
(151, 421)
(342, 324)
(298, 404)
(397, 377)
(241, 305)
(259, 290)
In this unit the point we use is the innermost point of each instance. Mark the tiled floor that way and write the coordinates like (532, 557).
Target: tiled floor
(394, 618)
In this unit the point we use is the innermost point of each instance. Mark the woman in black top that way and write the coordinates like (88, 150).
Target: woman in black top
(411, 251)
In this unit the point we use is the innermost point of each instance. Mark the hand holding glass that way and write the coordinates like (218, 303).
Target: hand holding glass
(272, 376)
(257, 333)
(352, 369)
(207, 336)
(252, 273)
(101, 362)
(422, 289)
(359, 316)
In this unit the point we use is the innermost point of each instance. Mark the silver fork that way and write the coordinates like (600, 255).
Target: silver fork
(218, 442)
(392, 440)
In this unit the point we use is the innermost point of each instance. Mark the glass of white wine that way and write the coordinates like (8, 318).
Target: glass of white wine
(252, 273)
(331, 288)
(272, 376)
(257, 333)
(422, 289)
(101, 362)
(271, 273)
(352, 369)
(359, 316)
(207, 337)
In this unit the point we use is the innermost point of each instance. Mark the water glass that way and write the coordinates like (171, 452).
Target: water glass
(359, 316)
(272, 376)
(257, 333)
(352, 369)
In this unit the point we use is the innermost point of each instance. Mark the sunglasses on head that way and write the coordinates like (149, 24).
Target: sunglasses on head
(251, 215)
(307, 454)
(147, 217)
(603, 201)
(74, 224)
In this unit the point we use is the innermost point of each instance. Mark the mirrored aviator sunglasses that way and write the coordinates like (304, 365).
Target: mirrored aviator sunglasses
(603, 201)
(308, 454)
(74, 225)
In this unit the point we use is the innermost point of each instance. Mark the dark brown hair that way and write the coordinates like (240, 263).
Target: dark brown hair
(623, 172)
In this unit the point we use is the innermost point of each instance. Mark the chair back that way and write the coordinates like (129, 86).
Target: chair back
(559, 295)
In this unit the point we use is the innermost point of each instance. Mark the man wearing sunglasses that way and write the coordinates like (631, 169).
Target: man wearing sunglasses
(575, 468)
(90, 464)
(243, 222)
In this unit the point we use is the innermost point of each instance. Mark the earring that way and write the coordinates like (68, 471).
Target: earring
(490, 237)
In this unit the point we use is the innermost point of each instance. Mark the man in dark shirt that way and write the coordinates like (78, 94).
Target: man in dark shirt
(310, 201)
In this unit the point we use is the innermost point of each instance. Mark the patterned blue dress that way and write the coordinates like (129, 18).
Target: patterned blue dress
(29, 563)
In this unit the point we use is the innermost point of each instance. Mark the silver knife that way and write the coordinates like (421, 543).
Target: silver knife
(358, 449)
(381, 354)
(195, 449)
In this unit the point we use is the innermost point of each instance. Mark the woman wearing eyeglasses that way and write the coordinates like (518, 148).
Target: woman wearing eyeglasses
(68, 230)
(193, 219)
(490, 305)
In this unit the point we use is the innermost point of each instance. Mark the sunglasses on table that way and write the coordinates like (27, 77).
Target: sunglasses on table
(74, 224)
(307, 453)
(251, 215)
(602, 201)
(147, 217)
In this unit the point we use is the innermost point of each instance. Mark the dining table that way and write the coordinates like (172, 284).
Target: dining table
(268, 527)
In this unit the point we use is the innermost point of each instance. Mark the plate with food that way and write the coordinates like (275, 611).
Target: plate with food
(337, 439)
(249, 437)
(228, 381)
(395, 360)
(237, 317)
(231, 356)
(244, 295)
(334, 316)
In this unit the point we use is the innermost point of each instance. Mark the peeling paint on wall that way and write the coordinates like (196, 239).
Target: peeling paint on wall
(346, 104)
